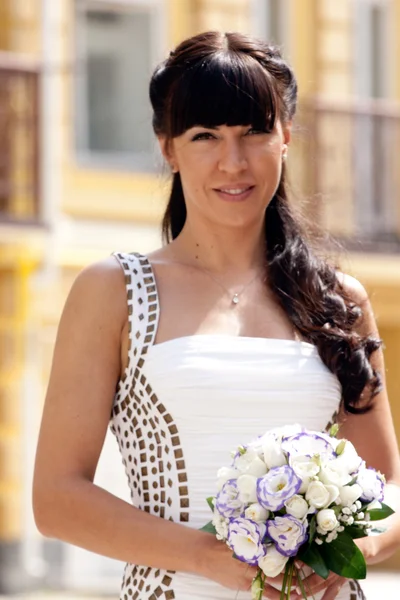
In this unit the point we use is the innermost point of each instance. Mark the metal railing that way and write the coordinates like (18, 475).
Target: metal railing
(351, 167)
(19, 140)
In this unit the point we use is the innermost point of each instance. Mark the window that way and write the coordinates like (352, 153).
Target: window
(270, 21)
(118, 46)
(371, 36)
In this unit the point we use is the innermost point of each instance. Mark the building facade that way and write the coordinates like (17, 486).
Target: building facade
(81, 176)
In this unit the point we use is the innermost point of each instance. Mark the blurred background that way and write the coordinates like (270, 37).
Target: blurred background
(80, 177)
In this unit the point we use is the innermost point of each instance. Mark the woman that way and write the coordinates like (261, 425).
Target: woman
(233, 327)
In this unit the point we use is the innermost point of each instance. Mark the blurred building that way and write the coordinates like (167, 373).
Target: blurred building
(80, 176)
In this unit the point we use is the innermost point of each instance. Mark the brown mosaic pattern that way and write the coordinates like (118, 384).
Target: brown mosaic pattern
(356, 591)
(147, 435)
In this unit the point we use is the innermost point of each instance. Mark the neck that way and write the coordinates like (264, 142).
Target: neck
(223, 250)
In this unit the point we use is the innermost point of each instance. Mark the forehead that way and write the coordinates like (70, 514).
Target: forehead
(223, 93)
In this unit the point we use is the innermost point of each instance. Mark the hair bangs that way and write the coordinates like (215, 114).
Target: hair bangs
(224, 88)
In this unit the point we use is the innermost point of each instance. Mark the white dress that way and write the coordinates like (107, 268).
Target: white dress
(181, 407)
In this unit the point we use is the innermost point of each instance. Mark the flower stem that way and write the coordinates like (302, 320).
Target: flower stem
(300, 583)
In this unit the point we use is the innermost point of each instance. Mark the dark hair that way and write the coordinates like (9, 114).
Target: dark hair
(217, 79)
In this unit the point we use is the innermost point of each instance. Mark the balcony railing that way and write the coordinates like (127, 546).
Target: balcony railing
(351, 167)
(19, 140)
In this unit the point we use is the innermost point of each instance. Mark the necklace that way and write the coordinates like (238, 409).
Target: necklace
(236, 296)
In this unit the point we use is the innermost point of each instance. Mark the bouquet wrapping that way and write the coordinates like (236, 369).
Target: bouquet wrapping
(295, 494)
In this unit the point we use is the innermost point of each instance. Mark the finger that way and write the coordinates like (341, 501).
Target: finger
(314, 583)
(333, 590)
(275, 594)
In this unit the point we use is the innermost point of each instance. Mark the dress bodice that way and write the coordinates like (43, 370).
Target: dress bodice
(184, 404)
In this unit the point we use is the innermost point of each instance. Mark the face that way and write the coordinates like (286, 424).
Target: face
(229, 174)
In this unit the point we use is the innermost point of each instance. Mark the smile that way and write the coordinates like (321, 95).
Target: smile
(237, 193)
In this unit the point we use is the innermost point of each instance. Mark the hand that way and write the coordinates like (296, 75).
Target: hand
(314, 584)
(218, 564)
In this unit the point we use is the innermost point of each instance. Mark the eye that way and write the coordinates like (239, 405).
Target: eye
(254, 131)
(203, 136)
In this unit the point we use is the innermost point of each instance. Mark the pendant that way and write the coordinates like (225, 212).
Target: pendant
(235, 299)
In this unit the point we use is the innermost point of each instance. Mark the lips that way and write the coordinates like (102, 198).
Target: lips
(235, 192)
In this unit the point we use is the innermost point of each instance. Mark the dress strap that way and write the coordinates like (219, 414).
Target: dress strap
(143, 306)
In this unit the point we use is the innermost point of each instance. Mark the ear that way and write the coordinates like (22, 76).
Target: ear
(287, 133)
(167, 152)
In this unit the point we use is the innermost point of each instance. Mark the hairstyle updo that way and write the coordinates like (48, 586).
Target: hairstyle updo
(215, 79)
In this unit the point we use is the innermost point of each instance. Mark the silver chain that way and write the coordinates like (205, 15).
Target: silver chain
(236, 295)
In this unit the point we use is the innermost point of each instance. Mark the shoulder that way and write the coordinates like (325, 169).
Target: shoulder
(353, 288)
(98, 293)
(356, 292)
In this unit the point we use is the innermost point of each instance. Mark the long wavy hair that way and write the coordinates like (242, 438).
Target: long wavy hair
(215, 79)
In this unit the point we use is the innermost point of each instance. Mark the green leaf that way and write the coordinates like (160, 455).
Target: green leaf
(311, 556)
(313, 529)
(210, 502)
(355, 532)
(376, 514)
(344, 558)
(209, 528)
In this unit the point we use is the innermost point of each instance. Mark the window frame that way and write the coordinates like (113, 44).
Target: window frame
(130, 161)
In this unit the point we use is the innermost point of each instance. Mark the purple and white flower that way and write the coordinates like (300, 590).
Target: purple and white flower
(288, 533)
(276, 487)
(227, 501)
(372, 484)
(309, 444)
(245, 537)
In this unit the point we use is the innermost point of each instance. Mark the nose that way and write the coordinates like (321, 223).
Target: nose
(232, 158)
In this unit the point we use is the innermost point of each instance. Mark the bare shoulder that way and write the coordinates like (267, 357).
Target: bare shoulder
(353, 288)
(101, 286)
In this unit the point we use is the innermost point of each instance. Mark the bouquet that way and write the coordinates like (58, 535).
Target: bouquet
(297, 495)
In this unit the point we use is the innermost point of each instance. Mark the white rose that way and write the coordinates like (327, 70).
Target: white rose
(251, 464)
(332, 473)
(256, 512)
(273, 453)
(225, 474)
(247, 486)
(326, 520)
(306, 468)
(320, 495)
(273, 563)
(349, 494)
(297, 507)
(348, 459)
(221, 526)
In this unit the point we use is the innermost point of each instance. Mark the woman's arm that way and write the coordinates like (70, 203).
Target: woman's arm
(374, 437)
(67, 504)
(86, 368)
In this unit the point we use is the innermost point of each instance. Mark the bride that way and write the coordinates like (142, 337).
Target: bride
(234, 326)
